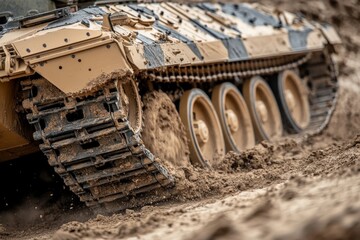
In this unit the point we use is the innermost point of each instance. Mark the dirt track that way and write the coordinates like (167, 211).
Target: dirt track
(304, 188)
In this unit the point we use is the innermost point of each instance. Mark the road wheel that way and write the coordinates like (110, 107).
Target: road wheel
(130, 103)
(264, 111)
(203, 128)
(234, 117)
(292, 97)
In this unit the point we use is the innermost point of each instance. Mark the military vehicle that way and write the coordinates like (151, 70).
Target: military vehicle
(119, 95)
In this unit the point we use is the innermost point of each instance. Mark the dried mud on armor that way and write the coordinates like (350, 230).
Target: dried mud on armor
(296, 188)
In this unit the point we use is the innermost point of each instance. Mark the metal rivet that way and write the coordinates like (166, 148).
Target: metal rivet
(28, 50)
(44, 45)
(79, 60)
(73, 55)
(89, 69)
(66, 40)
(60, 67)
(108, 46)
(88, 34)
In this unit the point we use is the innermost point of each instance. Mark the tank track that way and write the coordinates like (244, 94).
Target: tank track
(321, 76)
(92, 146)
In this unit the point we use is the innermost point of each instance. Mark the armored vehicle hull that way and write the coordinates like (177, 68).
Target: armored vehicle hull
(108, 88)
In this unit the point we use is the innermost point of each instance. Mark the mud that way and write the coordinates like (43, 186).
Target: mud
(297, 188)
(163, 131)
(100, 81)
(324, 180)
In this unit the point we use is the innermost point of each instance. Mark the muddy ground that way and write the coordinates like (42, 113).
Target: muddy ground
(302, 188)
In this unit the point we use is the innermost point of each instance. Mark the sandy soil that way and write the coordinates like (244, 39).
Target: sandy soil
(303, 188)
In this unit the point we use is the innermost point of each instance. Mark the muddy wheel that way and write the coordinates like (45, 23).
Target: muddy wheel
(292, 97)
(130, 103)
(163, 132)
(234, 117)
(203, 128)
(264, 111)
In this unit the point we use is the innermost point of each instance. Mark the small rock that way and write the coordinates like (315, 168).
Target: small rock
(129, 212)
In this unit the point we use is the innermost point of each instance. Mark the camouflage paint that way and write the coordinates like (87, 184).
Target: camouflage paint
(250, 15)
(197, 34)
(299, 38)
(154, 55)
(81, 16)
(236, 49)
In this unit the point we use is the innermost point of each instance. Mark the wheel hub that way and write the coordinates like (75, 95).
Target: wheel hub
(290, 100)
(262, 111)
(201, 131)
(232, 120)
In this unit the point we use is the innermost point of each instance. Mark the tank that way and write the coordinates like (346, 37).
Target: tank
(119, 95)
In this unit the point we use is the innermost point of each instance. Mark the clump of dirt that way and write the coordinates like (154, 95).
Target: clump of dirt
(163, 132)
(261, 156)
(100, 81)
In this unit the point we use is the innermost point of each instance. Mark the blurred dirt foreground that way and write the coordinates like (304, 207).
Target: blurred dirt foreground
(304, 188)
